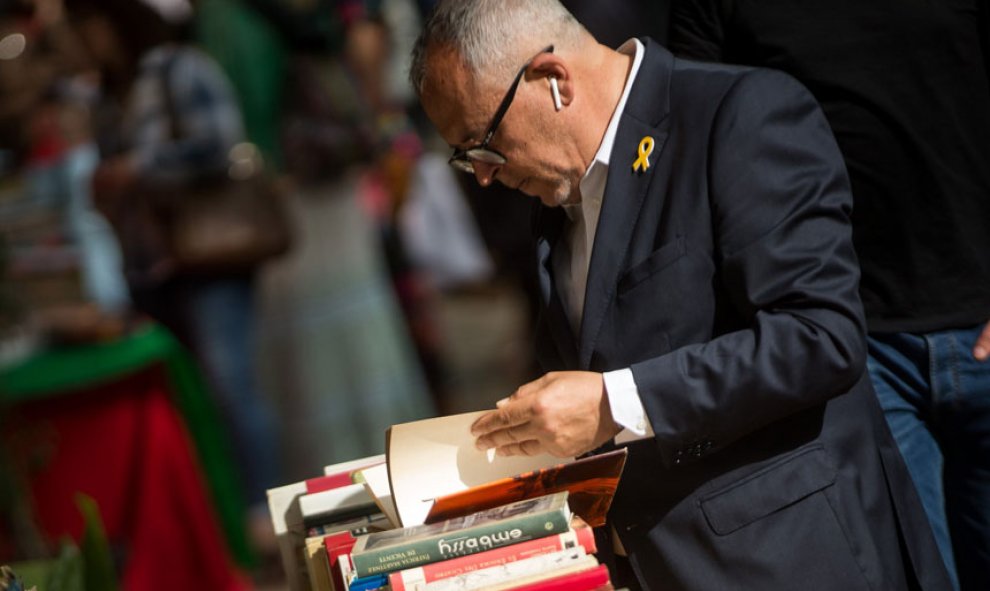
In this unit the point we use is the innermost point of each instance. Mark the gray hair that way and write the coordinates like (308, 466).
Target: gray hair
(489, 34)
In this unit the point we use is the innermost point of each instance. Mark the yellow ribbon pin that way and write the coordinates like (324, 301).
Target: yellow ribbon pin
(645, 149)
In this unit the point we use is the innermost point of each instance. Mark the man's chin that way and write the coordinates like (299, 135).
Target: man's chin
(526, 188)
(548, 196)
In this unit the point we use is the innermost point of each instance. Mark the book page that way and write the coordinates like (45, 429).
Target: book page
(376, 483)
(436, 457)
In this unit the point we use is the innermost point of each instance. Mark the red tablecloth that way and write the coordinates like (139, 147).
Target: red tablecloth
(125, 445)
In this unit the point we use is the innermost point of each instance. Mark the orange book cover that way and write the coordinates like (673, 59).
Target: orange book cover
(591, 482)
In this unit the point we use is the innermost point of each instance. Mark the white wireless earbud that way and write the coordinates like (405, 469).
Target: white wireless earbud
(556, 94)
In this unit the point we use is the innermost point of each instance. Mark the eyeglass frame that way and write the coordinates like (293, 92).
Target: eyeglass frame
(463, 160)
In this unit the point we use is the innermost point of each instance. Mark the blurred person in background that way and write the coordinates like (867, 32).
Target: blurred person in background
(48, 94)
(337, 347)
(906, 90)
(177, 122)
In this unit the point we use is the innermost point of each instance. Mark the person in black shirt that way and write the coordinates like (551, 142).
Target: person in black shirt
(904, 86)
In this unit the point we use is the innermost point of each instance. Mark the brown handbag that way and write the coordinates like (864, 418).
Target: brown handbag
(225, 225)
(215, 225)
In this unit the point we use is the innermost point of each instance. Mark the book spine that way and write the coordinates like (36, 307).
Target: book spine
(451, 544)
(408, 579)
(536, 567)
(335, 549)
(367, 583)
(344, 572)
(592, 579)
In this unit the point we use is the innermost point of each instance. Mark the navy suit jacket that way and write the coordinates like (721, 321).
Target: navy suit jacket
(724, 276)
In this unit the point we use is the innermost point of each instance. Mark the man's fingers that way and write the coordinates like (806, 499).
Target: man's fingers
(530, 447)
(982, 348)
(506, 415)
(502, 437)
(520, 393)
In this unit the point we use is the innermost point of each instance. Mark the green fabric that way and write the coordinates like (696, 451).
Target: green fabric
(61, 370)
(253, 56)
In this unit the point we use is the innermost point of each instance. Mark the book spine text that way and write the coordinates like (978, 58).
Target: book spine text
(408, 579)
(447, 545)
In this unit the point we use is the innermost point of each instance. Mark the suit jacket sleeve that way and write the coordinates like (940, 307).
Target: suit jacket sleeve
(780, 205)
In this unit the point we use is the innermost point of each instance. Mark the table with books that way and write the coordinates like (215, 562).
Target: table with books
(128, 423)
(465, 520)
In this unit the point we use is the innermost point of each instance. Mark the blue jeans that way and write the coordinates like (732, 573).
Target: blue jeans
(221, 316)
(936, 398)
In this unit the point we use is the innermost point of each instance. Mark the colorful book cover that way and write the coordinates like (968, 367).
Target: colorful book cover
(580, 536)
(339, 544)
(368, 583)
(594, 579)
(536, 568)
(591, 482)
(388, 551)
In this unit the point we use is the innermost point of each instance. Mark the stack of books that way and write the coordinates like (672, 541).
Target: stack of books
(439, 515)
(305, 513)
(534, 545)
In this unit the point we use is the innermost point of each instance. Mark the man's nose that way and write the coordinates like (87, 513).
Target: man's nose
(485, 172)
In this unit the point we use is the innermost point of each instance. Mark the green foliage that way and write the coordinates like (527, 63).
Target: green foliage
(87, 567)
(99, 571)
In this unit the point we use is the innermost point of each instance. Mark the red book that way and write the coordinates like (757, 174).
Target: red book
(585, 580)
(580, 534)
(337, 545)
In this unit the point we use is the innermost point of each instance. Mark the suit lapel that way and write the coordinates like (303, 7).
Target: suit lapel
(645, 116)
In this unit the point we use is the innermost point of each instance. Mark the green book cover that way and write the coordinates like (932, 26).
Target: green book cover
(387, 551)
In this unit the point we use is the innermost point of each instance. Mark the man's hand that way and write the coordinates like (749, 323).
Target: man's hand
(563, 414)
(981, 351)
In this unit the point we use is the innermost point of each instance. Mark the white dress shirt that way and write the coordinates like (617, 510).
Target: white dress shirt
(571, 263)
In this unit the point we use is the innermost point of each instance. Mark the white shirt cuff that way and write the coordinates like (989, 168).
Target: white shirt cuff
(627, 408)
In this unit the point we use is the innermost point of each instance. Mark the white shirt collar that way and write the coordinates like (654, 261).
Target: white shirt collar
(592, 185)
(571, 263)
(635, 48)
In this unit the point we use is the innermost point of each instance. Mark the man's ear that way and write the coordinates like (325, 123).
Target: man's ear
(549, 67)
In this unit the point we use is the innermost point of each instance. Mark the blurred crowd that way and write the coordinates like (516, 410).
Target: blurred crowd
(111, 108)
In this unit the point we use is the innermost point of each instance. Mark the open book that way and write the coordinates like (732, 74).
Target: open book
(433, 472)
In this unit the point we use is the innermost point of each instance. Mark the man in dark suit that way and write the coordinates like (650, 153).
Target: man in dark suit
(700, 301)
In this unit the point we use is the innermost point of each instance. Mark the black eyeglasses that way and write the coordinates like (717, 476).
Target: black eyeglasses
(464, 159)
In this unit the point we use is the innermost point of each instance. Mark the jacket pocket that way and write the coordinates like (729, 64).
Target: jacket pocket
(768, 490)
(657, 260)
